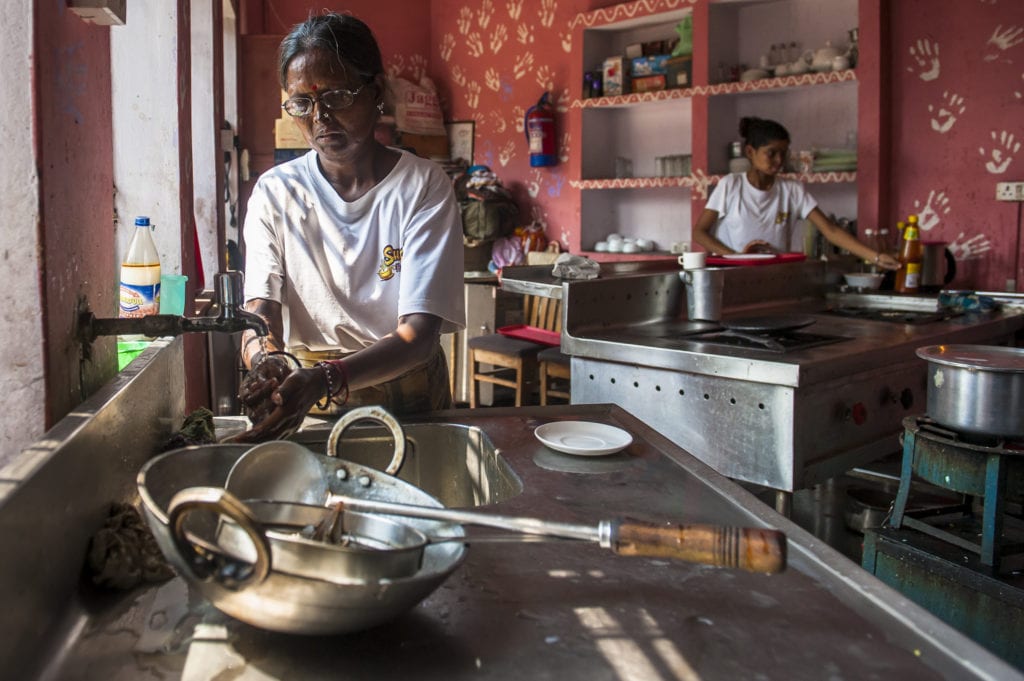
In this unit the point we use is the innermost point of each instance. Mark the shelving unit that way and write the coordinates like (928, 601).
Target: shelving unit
(819, 109)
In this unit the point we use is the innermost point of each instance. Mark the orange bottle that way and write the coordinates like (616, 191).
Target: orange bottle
(908, 276)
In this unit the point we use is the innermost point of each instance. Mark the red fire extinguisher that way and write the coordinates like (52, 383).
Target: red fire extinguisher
(540, 133)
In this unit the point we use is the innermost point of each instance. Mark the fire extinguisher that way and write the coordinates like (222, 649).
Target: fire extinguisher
(540, 133)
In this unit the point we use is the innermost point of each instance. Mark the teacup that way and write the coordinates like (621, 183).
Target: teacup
(693, 260)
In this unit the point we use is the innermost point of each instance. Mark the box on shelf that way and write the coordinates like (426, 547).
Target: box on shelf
(678, 72)
(648, 66)
(616, 79)
(649, 83)
(634, 50)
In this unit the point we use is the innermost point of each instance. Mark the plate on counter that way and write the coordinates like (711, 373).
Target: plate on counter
(750, 256)
(583, 438)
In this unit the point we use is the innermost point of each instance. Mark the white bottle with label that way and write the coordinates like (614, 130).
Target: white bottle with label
(140, 274)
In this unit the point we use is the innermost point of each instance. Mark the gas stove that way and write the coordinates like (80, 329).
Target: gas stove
(776, 342)
(893, 315)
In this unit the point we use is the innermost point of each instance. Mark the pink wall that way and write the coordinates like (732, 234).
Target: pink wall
(957, 76)
(75, 142)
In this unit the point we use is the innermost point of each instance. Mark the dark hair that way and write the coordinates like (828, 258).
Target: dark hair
(758, 132)
(348, 38)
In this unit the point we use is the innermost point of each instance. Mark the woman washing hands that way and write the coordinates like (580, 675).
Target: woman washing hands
(756, 211)
(349, 250)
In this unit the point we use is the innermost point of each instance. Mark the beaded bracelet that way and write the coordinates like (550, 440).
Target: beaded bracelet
(330, 392)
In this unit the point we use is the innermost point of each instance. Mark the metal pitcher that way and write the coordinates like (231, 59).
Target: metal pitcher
(704, 293)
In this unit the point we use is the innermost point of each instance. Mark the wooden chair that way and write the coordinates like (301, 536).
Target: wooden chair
(514, 360)
(554, 374)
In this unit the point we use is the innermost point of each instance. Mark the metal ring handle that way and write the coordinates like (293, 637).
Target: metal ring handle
(371, 413)
(205, 564)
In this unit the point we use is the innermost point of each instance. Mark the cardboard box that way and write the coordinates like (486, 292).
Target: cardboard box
(634, 50)
(679, 72)
(649, 83)
(615, 77)
(648, 66)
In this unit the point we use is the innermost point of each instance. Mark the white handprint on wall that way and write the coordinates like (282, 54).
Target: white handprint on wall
(545, 77)
(1002, 153)
(475, 44)
(465, 20)
(953, 106)
(562, 101)
(522, 65)
(484, 14)
(472, 94)
(547, 13)
(497, 122)
(498, 38)
(971, 249)
(566, 39)
(507, 153)
(524, 34)
(458, 76)
(533, 183)
(447, 47)
(926, 55)
(928, 215)
(519, 114)
(1004, 40)
(418, 67)
(563, 148)
(515, 8)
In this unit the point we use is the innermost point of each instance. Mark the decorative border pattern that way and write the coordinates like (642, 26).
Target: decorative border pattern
(824, 78)
(700, 182)
(610, 15)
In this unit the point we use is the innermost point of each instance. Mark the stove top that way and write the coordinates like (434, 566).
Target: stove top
(896, 316)
(775, 342)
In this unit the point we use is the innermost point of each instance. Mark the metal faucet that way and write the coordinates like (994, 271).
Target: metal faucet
(230, 318)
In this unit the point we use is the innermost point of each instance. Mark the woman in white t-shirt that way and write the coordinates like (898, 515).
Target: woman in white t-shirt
(757, 211)
(353, 251)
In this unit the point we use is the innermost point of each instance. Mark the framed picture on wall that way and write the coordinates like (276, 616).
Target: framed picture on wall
(460, 140)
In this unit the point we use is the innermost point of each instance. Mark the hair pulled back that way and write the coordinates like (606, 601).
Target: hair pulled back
(758, 132)
(343, 35)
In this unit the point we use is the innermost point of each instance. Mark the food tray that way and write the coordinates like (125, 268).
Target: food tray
(531, 333)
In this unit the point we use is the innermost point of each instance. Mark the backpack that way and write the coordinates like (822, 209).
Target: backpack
(488, 210)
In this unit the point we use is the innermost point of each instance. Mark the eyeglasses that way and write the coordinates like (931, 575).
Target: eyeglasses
(332, 100)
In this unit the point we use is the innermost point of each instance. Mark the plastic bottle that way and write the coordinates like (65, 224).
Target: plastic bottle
(908, 277)
(140, 274)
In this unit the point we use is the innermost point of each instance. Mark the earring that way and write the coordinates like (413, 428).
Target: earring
(380, 108)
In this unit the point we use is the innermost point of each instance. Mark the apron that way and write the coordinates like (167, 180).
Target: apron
(423, 388)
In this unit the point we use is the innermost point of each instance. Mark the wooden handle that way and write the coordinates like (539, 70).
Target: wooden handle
(752, 549)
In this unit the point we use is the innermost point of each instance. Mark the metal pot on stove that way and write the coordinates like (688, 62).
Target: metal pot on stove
(976, 388)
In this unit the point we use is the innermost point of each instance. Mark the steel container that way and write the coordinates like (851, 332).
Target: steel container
(976, 388)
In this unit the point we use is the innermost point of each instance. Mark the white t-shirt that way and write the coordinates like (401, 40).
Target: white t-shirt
(746, 213)
(345, 271)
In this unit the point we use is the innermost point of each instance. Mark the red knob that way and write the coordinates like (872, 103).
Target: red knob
(859, 413)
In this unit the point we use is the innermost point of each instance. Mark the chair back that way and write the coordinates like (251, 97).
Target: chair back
(543, 312)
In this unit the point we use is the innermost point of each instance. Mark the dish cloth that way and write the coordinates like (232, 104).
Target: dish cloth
(569, 266)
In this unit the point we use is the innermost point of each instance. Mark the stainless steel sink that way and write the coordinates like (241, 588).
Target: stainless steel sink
(457, 464)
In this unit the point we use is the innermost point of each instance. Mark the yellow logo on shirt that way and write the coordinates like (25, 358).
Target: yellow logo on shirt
(781, 217)
(392, 263)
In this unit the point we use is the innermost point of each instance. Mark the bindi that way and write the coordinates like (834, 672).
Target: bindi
(315, 88)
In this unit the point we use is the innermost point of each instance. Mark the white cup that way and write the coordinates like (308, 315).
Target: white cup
(693, 260)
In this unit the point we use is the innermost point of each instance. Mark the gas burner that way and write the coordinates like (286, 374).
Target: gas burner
(896, 316)
(776, 342)
(980, 441)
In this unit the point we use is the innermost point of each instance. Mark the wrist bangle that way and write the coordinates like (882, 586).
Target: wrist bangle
(330, 392)
(878, 257)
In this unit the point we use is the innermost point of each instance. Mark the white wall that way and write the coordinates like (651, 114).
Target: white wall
(21, 331)
(205, 164)
(145, 112)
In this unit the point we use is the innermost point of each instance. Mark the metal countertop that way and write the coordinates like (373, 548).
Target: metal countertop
(529, 611)
(537, 280)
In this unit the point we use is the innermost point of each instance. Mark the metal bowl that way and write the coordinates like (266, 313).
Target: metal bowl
(863, 280)
(263, 595)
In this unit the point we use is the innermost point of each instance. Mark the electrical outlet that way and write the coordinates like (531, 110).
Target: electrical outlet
(1010, 191)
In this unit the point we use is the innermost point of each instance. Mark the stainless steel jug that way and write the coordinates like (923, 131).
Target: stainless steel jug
(938, 267)
(704, 293)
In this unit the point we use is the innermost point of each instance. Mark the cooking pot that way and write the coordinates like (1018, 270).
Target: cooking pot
(976, 388)
(938, 266)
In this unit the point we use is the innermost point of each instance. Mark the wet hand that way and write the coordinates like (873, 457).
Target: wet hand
(266, 375)
(759, 246)
(283, 412)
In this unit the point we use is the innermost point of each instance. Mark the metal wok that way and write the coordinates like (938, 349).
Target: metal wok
(264, 595)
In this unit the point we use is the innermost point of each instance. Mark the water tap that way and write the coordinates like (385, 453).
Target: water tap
(230, 318)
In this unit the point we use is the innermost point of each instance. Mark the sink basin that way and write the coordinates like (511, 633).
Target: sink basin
(456, 464)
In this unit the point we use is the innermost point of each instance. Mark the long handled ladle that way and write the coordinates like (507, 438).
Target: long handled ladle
(748, 548)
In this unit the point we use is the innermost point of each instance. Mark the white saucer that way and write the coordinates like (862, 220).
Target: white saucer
(583, 438)
(749, 256)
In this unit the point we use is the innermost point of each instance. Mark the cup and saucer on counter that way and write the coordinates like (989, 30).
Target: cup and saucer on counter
(693, 260)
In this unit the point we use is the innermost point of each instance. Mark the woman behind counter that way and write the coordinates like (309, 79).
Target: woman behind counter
(353, 251)
(757, 211)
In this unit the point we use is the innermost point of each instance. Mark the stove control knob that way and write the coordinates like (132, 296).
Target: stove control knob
(857, 413)
(907, 398)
